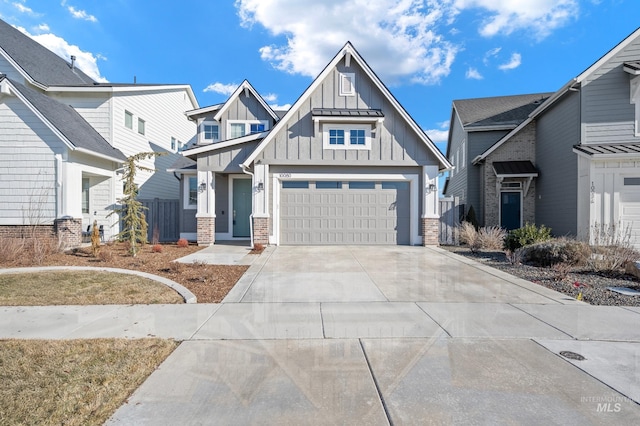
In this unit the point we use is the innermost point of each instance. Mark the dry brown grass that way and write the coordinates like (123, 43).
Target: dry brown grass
(73, 382)
(82, 288)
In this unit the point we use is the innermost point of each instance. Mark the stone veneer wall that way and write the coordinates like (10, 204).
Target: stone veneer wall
(521, 147)
(261, 230)
(430, 231)
(206, 230)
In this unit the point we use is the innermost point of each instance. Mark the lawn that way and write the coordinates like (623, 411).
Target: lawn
(82, 288)
(73, 382)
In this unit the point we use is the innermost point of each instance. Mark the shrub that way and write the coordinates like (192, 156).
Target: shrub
(11, 249)
(527, 235)
(157, 248)
(95, 239)
(105, 255)
(555, 252)
(491, 237)
(176, 267)
(469, 236)
(182, 242)
(258, 247)
(612, 248)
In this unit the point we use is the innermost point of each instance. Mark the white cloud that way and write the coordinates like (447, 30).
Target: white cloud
(506, 16)
(43, 28)
(514, 62)
(473, 74)
(223, 89)
(491, 54)
(270, 97)
(277, 107)
(399, 38)
(22, 8)
(86, 61)
(81, 14)
(437, 135)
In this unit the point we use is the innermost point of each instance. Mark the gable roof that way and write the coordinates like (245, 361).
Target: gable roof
(352, 54)
(245, 86)
(498, 111)
(39, 66)
(576, 81)
(64, 121)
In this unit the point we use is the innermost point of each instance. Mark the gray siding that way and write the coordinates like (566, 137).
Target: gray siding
(393, 143)
(457, 178)
(607, 114)
(226, 159)
(243, 108)
(557, 130)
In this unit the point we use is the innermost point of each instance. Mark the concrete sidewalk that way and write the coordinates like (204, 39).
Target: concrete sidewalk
(451, 342)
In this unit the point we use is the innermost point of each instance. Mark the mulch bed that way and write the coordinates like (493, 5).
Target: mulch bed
(210, 283)
(570, 282)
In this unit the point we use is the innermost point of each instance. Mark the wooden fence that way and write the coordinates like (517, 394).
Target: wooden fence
(165, 215)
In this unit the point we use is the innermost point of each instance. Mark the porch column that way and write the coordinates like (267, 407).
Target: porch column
(261, 204)
(206, 215)
(430, 215)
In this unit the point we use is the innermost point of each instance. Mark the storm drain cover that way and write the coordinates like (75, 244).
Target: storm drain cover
(572, 355)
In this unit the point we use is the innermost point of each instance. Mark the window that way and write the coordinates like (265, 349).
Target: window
(191, 192)
(180, 146)
(173, 143)
(237, 129)
(257, 128)
(362, 185)
(631, 181)
(295, 184)
(128, 120)
(85, 195)
(336, 137)
(400, 186)
(346, 136)
(141, 126)
(347, 84)
(357, 137)
(322, 184)
(211, 132)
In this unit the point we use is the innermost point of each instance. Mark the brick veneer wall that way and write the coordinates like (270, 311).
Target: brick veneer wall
(27, 231)
(261, 230)
(69, 231)
(430, 231)
(206, 230)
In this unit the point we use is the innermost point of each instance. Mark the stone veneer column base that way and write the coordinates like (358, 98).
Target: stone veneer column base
(69, 231)
(206, 231)
(430, 231)
(261, 230)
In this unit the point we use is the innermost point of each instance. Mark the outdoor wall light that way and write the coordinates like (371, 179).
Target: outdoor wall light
(260, 186)
(202, 186)
(431, 188)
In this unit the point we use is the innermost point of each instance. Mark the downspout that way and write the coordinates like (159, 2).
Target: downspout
(245, 169)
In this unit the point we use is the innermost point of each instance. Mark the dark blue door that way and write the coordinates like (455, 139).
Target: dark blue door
(510, 210)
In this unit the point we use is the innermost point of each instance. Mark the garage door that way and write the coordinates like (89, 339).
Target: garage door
(323, 212)
(630, 215)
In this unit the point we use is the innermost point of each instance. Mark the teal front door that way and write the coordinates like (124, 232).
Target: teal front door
(241, 207)
(510, 210)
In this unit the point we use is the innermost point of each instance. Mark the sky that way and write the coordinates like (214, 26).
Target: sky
(427, 52)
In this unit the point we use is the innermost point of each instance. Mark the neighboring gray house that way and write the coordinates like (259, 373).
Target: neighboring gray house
(476, 125)
(587, 149)
(39, 153)
(346, 164)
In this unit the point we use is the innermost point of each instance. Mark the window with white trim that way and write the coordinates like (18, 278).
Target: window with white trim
(211, 132)
(141, 126)
(239, 128)
(631, 181)
(128, 120)
(347, 84)
(191, 192)
(346, 136)
(173, 144)
(86, 185)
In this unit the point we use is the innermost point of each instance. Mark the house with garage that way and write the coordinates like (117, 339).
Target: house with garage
(346, 164)
(586, 140)
(129, 118)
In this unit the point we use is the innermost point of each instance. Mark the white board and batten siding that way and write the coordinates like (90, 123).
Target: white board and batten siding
(163, 113)
(27, 166)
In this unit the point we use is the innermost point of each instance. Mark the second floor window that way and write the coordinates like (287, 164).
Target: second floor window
(211, 132)
(141, 125)
(128, 120)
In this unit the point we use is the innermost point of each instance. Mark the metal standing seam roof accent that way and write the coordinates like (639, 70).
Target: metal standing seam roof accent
(609, 149)
(343, 112)
(506, 168)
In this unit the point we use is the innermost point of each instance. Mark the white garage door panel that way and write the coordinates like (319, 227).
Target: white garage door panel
(630, 215)
(344, 216)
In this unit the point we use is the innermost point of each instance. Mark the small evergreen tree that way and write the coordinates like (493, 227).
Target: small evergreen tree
(134, 229)
(95, 239)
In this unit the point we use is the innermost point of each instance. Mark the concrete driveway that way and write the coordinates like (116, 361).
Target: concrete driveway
(380, 274)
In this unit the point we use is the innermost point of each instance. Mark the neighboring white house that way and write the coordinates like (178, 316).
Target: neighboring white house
(346, 164)
(131, 118)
